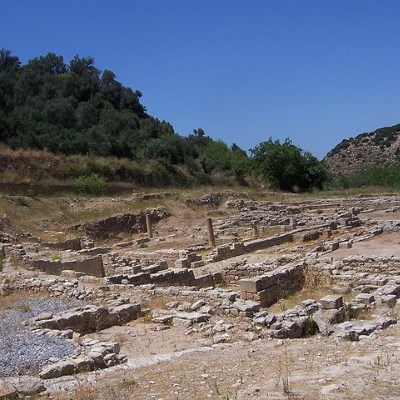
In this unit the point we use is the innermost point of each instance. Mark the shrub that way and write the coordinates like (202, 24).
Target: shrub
(92, 184)
(21, 201)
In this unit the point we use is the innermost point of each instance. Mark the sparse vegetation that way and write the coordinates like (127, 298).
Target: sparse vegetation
(25, 308)
(93, 184)
(21, 201)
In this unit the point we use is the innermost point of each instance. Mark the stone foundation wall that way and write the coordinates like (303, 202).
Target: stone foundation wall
(272, 286)
(70, 244)
(89, 266)
(167, 277)
(228, 251)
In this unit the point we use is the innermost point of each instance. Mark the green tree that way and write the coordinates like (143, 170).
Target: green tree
(286, 166)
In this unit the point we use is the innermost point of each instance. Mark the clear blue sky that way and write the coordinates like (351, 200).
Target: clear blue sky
(316, 71)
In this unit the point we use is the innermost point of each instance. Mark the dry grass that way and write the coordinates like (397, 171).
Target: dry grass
(15, 300)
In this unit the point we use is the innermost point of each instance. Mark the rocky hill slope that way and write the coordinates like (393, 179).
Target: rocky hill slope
(378, 148)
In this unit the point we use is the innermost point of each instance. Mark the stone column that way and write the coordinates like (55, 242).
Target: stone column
(255, 228)
(149, 226)
(210, 232)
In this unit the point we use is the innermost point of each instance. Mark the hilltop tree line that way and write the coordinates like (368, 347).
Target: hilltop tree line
(75, 108)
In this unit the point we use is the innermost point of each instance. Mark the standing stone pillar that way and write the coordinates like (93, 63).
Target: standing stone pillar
(149, 226)
(255, 228)
(210, 232)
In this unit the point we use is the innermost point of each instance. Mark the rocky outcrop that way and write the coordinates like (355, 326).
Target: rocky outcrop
(365, 151)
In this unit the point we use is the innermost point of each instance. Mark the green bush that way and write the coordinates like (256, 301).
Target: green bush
(92, 184)
(21, 201)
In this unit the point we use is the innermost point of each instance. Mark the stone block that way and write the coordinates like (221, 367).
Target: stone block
(390, 290)
(182, 263)
(388, 300)
(197, 264)
(332, 301)
(252, 285)
(163, 319)
(364, 298)
(58, 369)
(269, 296)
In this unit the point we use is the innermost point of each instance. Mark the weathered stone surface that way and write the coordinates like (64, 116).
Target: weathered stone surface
(221, 338)
(84, 364)
(290, 329)
(58, 369)
(195, 317)
(332, 301)
(89, 266)
(28, 385)
(89, 318)
(246, 306)
(323, 323)
(364, 298)
(7, 390)
(125, 223)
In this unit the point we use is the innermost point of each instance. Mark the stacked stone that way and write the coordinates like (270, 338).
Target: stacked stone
(272, 286)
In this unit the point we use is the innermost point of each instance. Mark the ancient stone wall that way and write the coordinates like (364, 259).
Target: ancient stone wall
(274, 285)
(236, 249)
(167, 277)
(89, 266)
(70, 244)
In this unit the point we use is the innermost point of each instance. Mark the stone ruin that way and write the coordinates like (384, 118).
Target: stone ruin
(291, 246)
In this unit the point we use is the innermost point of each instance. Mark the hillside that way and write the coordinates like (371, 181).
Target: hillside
(373, 149)
(76, 110)
(83, 121)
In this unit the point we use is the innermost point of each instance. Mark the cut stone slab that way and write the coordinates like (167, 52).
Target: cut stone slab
(193, 316)
(58, 369)
(364, 298)
(331, 302)
(163, 319)
(246, 305)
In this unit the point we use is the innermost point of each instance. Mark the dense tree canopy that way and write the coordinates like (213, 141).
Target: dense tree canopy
(287, 167)
(77, 109)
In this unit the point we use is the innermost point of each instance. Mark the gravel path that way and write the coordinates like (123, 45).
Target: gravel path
(23, 352)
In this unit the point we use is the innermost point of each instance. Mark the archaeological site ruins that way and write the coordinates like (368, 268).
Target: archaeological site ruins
(224, 296)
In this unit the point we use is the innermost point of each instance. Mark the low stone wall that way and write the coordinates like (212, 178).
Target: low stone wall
(70, 244)
(234, 272)
(89, 318)
(260, 244)
(382, 264)
(167, 277)
(269, 288)
(89, 266)
(228, 251)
